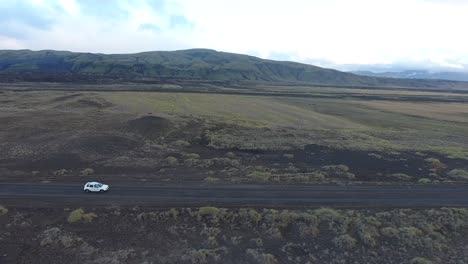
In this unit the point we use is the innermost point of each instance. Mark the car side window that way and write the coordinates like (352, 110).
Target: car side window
(91, 186)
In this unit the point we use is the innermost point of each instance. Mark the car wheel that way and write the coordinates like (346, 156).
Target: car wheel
(87, 190)
(101, 191)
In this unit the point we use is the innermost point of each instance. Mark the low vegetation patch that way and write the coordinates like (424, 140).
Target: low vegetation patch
(3, 210)
(459, 174)
(79, 215)
(242, 235)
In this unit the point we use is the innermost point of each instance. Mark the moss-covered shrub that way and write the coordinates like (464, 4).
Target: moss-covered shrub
(259, 176)
(459, 174)
(79, 215)
(345, 242)
(172, 161)
(3, 210)
(419, 260)
(87, 172)
(424, 181)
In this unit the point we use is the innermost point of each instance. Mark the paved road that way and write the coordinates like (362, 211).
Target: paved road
(50, 195)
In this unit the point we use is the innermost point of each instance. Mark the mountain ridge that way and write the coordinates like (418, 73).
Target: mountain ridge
(191, 64)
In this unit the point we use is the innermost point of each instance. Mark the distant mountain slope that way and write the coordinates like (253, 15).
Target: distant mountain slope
(418, 74)
(194, 64)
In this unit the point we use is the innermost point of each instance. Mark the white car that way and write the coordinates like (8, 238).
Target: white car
(95, 187)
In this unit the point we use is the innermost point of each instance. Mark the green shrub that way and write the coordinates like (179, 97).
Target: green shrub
(191, 162)
(231, 155)
(225, 162)
(459, 174)
(336, 168)
(79, 215)
(256, 256)
(389, 232)
(208, 211)
(3, 210)
(259, 176)
(181, 143)
(192, 156)
(172, 161)
(173, 213)
(340, 171)
(211, 179)
(424, 180)
(86, 172)
(327, 214)
(436, 165)
(399, 177)
(60, 172)
(420, 260)
(345, 242)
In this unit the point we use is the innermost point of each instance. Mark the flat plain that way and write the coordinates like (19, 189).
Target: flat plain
(268, 135)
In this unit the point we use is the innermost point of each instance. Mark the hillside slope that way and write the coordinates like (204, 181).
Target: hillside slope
(194, 64)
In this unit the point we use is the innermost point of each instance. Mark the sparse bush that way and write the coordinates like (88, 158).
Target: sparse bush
(208, 211)
(410, 234)
(424, 181)
(192, 156)
(377, 156)
(307, 230)
(250, 216)
(336, 168)
(256, 242)
(436, 165)
(389, 232)
(191, 162)
(211, 179)
(288, 156)
(326, 214)
(225, 162)
(259, 176)
(79, 215)
(60, 172)
(181, 143)
(399, 177)
(367, 234)
(339, 171)
(3, 210)
(316, 176)
(419, 260)
(459, 174)
(201, 256)
(259, 257)
(292, 168)
(172, 161)
(231, 155)
(345, 242)
(86, 172)
(173, 213)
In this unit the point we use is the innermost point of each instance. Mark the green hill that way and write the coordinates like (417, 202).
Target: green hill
(194, 64)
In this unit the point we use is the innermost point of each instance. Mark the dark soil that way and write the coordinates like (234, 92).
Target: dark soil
(233, 236)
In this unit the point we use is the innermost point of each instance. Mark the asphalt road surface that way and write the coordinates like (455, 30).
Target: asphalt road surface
(51, 195)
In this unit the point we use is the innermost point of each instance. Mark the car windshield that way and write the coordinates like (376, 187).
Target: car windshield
(99, 185)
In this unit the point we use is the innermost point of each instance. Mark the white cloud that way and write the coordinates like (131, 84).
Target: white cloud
(333, 31)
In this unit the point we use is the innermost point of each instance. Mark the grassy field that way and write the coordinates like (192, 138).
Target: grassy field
(362, 124)
(411, 136)
(255, 110)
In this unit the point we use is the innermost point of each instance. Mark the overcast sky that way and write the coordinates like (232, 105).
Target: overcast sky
(332, 33)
